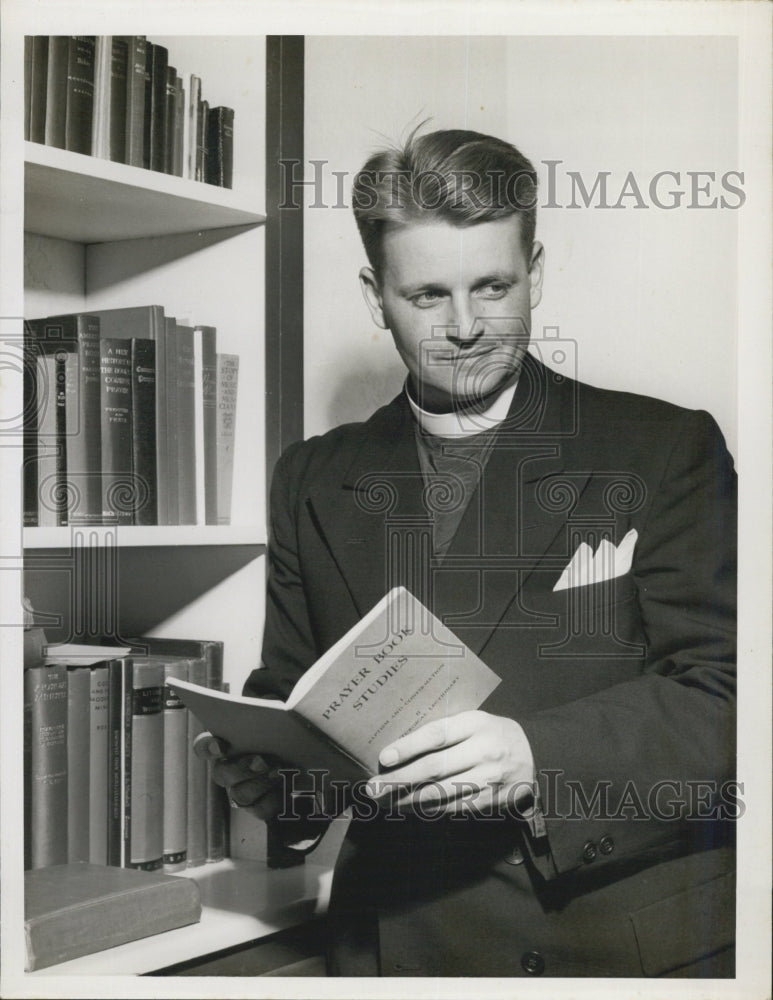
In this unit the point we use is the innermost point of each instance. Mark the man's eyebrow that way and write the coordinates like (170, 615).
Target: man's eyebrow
(438, 286)
(422, 286)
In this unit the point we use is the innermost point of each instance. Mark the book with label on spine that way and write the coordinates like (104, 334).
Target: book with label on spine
(205, 354)
(143, 366)
(98, 764)
(115, 769)
(398, 668)
(78, 909)
(38, 88)
(78, 762)
(158, 106)
(227, 384)
(175, 771)
(45, 706)
(147, 323)
(220, 147)
(80, 94)
(137, 82)
(118, 486)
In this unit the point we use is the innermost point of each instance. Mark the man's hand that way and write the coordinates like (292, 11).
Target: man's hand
(471, 761)
(250, 781)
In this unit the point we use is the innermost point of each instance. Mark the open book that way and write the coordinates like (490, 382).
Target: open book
(398, 668)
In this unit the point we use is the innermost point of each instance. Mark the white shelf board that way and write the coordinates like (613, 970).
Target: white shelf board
(89, 200)
(242, 901)
(151, 536)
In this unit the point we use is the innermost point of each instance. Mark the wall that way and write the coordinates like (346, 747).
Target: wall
(648, 294)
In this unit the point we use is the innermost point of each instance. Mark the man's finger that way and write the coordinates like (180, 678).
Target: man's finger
(249, 793)
(433, 736)
(209, 747)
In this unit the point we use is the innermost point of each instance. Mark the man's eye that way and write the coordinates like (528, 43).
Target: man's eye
(425, 299)
(495, 290)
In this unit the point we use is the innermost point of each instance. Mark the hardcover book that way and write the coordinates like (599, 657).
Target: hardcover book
(78, 909)
(227, 385)
(396, 670)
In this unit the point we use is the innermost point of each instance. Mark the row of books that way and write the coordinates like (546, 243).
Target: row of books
(110, 774)
(118, 98)
(130, 418)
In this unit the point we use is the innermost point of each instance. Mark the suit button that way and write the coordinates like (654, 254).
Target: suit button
(589, 852)
(606, 845)
(532, 963)
(515, 857)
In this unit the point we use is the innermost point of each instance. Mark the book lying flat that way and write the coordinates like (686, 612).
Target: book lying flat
(395, 670)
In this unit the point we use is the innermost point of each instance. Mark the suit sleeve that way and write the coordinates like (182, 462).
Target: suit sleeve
(629, 768)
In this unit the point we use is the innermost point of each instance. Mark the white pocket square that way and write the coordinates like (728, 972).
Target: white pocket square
(608, 562)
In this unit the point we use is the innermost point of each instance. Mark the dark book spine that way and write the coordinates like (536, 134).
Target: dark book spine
(51, 464)
(115, 802)
(168, 403)
(143, 354)
(80, 94)
(38, 88)
(201, 138)
(217, 804)
(98, 764)
(27, 84)
(208, 337)
(180, 111)
(147, 130)
(158, 116)
(186, 428)
(144, 832)
(175, 767)
(171, 100)
(116, 430)
(78, 762)
(220, 147)
(56, 90)
(119, 73)
(137, 83)
(31, 410)
(45, 690)
(197, 778)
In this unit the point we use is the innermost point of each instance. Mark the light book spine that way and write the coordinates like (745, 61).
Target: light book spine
(175, 846)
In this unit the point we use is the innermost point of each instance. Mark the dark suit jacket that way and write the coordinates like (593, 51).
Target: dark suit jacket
(624, 688)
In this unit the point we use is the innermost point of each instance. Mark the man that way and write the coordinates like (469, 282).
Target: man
(582, 542)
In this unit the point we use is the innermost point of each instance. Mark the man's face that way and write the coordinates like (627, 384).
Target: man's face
(458, 303)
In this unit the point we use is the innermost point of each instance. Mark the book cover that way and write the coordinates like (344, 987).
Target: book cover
(226, 391)
(175, 770)
(98, 763)
(205, 353)
(158, 106)
(77, 335)
(118, 488)
(143, 367)
(56, 89)
(38, 88)
(80, 94)
(186, 426)
(78, 909)
(78, 762)
(143, 751)
(147, 323)
(220, 147)
(397, 669)
(116, 118)
(45, 706)
(137, 82)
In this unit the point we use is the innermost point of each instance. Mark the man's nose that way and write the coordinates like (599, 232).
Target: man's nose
(464, 326)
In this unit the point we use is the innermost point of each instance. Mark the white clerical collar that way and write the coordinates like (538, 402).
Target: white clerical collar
(463, 423)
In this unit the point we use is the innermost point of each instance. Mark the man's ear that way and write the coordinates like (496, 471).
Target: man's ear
(536, 268)
(371, 292)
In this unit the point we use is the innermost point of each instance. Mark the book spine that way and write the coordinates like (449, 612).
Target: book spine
(175, 772)
(180, 115)
(168, 403)
(51, 446)
(38, 88)
(197, 777)
(45, 689)
(186, 427)
(80, 94)
(192, 116)
(199, 465)
(208, 339)
(27, 84)
(137, 82)
(115, 780)
(217, 806)
(144, 830)
(171, 100)
(227, 380)
(78, 762)
(220, 147)
(98, 764)
(119, 70)
(100, 135)
(201, 134)
(143, 354)
(56, 90)
(158, 116)
(116, 428)
(31, 408)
